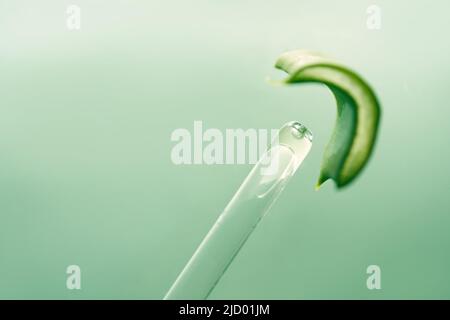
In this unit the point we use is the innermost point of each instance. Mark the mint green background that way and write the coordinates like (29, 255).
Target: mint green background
(85, 170)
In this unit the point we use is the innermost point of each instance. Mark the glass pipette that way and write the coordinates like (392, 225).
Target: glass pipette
(253, 199)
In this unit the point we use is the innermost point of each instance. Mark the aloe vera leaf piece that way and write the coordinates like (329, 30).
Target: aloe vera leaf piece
(358, 113)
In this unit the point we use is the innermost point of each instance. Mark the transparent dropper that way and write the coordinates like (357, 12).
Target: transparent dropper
(253, 199)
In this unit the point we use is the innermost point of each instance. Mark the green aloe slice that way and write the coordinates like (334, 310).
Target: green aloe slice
(358, 113)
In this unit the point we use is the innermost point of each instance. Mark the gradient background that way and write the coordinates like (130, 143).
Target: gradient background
(85, 170)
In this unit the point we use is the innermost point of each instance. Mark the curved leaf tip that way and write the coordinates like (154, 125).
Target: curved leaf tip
(358, 113)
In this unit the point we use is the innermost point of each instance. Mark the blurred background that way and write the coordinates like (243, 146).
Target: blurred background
(85, 171)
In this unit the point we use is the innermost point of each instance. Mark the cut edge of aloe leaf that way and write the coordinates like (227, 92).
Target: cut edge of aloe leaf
(358, 113)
